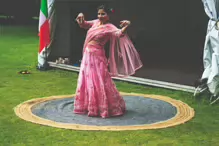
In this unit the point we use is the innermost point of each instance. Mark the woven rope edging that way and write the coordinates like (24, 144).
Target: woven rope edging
(184, 114)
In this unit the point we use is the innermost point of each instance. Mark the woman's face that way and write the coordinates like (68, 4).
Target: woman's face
(102, 16)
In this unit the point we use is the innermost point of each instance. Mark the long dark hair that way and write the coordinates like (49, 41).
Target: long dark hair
(107, 9)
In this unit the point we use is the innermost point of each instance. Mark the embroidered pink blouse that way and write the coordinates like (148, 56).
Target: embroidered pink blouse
(124, 59)
(102, 37)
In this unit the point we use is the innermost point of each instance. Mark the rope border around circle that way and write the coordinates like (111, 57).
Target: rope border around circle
(184, 114)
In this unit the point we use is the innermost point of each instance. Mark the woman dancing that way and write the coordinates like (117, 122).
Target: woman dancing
(96, 94)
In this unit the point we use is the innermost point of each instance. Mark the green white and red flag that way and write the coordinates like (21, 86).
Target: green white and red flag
(44, 33)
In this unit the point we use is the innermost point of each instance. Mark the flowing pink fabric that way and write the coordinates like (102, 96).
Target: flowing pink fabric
(124, 60)
(96, 94)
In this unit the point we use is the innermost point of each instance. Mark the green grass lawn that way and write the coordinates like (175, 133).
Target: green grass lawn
(19, 46)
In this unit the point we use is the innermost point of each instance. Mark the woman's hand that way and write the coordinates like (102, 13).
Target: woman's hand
(80, 18)
(125, 23)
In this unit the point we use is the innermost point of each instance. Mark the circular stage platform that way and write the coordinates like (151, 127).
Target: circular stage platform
(144, 111)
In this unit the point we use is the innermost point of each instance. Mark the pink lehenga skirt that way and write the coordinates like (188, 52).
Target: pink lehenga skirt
(96, 94)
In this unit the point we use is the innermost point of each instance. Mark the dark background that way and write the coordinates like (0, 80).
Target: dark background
(169, 35)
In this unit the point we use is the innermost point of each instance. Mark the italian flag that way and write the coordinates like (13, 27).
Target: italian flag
(44, 32)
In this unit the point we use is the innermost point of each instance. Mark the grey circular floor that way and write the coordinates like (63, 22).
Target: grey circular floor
(140, 110)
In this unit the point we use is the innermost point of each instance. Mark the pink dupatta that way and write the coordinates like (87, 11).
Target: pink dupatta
(124, 59)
